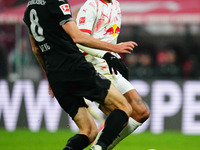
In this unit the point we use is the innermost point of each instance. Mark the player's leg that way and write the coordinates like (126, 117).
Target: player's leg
(86, 124)
(94, 86)
(92, 107)
(117, 119)
(140, 111)
(88, 130)
(131, 126)
(76, 107)
(140, 114)
(115, 100)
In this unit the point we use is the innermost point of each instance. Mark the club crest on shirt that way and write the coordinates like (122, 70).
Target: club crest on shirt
(65, 9)
(82, 20)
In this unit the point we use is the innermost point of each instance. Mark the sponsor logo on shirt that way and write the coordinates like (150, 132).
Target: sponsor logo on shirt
(65, 9)
(114, 30)
(82, 20)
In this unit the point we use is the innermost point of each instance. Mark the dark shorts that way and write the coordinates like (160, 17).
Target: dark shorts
(70, 91)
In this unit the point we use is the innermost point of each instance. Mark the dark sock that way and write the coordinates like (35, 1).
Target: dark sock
(77, 142)
(113, 126)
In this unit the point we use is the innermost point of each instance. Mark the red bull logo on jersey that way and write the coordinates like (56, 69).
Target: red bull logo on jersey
(114, 30)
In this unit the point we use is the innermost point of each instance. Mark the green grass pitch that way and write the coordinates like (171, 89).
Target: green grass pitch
(23, 139)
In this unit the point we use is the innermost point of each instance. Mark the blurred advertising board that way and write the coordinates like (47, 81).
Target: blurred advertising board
(174, 105)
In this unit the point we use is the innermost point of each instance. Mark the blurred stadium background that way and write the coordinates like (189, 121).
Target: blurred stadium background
(165, 68)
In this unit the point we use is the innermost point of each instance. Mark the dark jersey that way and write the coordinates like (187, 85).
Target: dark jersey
(44, 19)
(71, 77)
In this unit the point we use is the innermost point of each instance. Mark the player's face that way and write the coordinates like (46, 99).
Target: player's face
(108, 1)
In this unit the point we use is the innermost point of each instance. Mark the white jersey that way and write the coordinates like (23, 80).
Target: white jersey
(102, 21)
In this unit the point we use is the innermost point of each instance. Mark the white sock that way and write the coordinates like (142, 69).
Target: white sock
(130, 128)
(97, 138)
(96, 147)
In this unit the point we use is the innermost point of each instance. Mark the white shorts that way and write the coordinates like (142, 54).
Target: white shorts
(120, 83)
(118, 80)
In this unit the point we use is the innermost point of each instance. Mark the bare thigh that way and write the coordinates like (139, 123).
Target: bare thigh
(115, 100)
(140, 111)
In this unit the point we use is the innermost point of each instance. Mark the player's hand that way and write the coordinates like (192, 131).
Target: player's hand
(124, 71)
(125, 47)
(114, 64)
(50, 91)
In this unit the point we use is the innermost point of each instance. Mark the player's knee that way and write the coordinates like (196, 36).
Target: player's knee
(145, 115)
(142, 114)
(127, 109)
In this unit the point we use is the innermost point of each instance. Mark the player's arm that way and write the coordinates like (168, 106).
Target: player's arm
(113, 62)
(37, 52)
(92, 51)
(86, 40)
(39, 58)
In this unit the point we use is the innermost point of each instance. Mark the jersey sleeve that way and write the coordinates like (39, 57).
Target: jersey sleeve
(61, 10)
(92, 51)
(86, 16)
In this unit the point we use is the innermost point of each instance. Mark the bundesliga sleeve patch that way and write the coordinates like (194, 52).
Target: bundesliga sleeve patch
(65, 9)
(82, 20)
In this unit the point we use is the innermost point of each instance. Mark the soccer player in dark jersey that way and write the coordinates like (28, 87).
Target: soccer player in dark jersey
(53, 36)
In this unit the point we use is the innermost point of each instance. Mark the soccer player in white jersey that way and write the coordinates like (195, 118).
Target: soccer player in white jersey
(102, 20)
